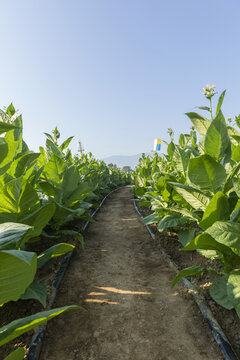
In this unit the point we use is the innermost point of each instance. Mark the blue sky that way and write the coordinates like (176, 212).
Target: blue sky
(116, 74)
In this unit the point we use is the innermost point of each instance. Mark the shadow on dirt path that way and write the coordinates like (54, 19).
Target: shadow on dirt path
(123, 281)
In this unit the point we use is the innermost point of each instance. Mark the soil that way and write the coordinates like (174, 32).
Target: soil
(122, 280)
(227, 319)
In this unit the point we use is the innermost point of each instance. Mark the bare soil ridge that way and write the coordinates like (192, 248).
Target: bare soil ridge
(123, 280)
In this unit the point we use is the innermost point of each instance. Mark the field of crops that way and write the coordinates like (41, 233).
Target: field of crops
(41, 195)
(194, 191)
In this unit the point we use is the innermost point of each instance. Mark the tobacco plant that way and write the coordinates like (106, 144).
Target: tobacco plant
(39, 192)
(197, 182)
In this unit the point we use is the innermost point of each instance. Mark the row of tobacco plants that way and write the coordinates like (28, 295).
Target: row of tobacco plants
(41, 193)
(195, 190)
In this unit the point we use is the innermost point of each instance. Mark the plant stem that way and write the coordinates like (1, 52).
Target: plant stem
(211, 107)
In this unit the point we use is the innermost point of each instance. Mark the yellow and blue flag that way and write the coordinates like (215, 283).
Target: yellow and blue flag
(157, 145)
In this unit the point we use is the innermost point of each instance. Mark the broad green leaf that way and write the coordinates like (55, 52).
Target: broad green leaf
(170, 221)
(14, 140)
(65, 144)
(71, 179)
(205, 242)
(3, 150)
(226, 233)
(182, 141)
(235, 215)
(165, 194)
(216, 139)
(16, 201)
(185, 212)
(38, 220)
(220, 101)
(190, 271)
(56, 133)
(68, 156)
(52, 149)
(50, 137)
(53, 251)
(236, 153)
(170, 149)
(185, 236)
(10, 110)
(9, 196)
(233, 288)
(35, 175)
(236, 185)
(228, 183)
(4, 117)
(17, 271)
(217, 209)
(42, 160)
(18, 354)
(151, 219)
(140, 191)
(200, 123)
(5, 126)
(54, 169)
(11, 235)
(227, 154)
(206, 173)
(24, 150)
(17, 198)
(28, 198)
(49, 189)
(36, 292)
(181, 159)
(195, 197)
(20, 326)
(76, 214)
(22, 165)
(218, 292)
(61, 213)
(234, 135)
(79, 194)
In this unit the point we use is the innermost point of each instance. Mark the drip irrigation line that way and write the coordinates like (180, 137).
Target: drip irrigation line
(218, 334)
(140, 214)
(98, 208)
(36, 341)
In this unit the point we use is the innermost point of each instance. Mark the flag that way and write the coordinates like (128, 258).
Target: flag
(157, 145)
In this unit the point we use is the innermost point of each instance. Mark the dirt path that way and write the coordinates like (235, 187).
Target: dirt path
(123, 281)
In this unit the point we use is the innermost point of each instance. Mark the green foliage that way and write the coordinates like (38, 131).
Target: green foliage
(18, 354)
(206, 173)
(41, 194)
(37, 292)
(216, 139)
(195, 189)
(20, 326)
(217, 209)
(54, 251)
(190, 271)
(17, 271)
(12, 235)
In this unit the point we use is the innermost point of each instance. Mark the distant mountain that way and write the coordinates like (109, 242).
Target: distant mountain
(124, 160)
